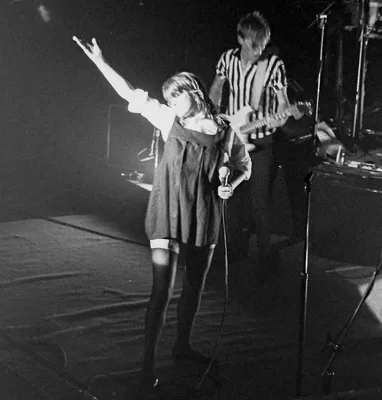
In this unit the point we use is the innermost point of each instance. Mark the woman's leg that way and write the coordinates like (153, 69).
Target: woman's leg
(197, 266)
(164, 261)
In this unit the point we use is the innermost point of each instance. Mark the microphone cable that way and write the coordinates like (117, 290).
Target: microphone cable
(224, 224)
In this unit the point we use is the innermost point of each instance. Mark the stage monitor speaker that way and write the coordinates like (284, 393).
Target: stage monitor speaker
(129, 140)
(346, 218)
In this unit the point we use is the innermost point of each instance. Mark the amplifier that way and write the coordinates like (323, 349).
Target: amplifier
(346, 216)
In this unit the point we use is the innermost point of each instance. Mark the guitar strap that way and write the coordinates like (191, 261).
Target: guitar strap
(258, 85)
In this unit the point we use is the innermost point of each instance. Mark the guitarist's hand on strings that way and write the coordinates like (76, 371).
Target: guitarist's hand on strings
(283, 111)
(279, 119)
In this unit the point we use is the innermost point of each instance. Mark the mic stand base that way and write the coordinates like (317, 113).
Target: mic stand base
(328, 380)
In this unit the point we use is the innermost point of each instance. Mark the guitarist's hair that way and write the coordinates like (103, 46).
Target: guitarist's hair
(191, 84)
(256, 26)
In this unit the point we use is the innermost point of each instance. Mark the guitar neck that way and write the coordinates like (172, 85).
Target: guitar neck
(250, 126)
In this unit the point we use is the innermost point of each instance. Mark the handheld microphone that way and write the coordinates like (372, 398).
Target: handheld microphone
(224, 173)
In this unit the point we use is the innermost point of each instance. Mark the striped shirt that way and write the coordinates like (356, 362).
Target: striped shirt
(241, 85)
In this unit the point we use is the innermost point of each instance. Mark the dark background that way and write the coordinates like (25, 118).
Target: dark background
(54, 103)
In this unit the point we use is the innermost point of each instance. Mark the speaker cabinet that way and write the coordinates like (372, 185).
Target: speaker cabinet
(346, 217)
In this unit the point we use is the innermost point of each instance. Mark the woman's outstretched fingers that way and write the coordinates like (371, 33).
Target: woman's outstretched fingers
(91, 49)
(75, 38)
(78, 41)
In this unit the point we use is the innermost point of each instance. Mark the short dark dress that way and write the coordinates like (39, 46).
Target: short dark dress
(184, 203)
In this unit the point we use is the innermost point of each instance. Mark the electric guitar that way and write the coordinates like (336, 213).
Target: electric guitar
(247, 127)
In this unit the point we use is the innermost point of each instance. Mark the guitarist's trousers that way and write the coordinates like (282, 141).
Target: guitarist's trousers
(249, 210)
(258, 192)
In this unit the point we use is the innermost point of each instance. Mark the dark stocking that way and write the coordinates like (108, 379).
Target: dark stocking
(164, 270)
(197, 266)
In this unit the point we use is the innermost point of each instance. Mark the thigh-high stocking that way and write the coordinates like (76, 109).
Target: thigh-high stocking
(164, 262)
(198, 261)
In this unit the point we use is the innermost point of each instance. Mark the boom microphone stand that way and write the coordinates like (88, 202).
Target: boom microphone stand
(322, 19)
(154, 149)
(322, 24)
(153, 154)
(360, 72)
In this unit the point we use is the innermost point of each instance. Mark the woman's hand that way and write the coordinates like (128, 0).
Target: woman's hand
(120, 85)
(225, 192)
(92, 49)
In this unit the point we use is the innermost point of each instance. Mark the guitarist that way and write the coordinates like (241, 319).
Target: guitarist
(267, 96)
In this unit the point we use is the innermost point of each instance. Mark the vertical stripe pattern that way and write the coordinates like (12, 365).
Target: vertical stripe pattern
(241, 85)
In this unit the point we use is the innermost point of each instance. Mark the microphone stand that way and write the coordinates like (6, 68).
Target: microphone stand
(322, 18)
(322, 24)
(327, 8)
(361, 64)
(336, 345)
(304, 291)
(154, 149)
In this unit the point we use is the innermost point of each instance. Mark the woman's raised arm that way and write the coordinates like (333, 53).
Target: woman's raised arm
(120, 84)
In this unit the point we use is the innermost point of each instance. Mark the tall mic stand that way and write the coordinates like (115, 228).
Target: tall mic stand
(336, 345)
(360, 75)
(154, 149)
(322, 18)
(304, 291)
(322, 24)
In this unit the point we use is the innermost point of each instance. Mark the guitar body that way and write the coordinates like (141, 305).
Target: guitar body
(248, 128)
(242, 117)
(239, 119)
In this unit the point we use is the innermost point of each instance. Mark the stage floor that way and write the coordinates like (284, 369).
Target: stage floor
(75, 279)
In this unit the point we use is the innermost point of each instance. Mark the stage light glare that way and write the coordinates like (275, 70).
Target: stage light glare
(373, 302)
(44, 13)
